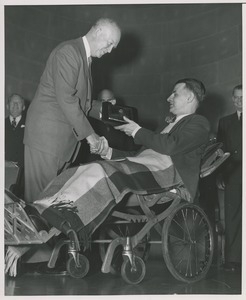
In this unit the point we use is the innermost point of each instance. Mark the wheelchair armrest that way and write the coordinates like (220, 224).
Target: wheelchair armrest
(208, 169)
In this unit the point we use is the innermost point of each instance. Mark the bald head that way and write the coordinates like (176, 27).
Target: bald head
(105, 95)
(15, 105)
(103, 37)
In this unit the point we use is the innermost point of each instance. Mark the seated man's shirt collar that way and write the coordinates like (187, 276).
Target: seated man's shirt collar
(180, 117)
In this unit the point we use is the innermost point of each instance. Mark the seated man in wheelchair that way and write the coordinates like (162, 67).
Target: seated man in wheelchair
(80, 198)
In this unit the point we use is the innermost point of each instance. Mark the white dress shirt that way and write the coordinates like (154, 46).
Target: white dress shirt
(17, 119)
(87, 48)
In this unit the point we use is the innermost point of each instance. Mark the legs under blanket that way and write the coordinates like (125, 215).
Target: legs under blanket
(81, 198)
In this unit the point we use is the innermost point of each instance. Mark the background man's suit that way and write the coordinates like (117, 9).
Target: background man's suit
(14, 151)
(230, 134)
(57, 116)
(14, 147)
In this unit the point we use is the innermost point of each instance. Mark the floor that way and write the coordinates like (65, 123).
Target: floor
(157, 281)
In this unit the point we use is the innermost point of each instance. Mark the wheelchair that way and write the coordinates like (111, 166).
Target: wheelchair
(124, 239)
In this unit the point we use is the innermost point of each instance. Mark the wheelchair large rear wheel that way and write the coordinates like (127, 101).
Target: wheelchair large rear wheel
(113, 230)
(187, 243)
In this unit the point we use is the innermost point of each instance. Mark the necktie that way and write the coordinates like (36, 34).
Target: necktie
(171, 122)
(13, 123)
(170, 119)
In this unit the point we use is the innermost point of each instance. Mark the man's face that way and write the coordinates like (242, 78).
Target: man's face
(237, 99)
(108, 38)
(178, 99)
(16, 106)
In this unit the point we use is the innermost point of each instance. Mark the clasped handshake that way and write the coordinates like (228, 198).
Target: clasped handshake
(99, 144)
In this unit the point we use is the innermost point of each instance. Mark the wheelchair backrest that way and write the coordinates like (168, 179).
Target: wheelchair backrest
(212, 158)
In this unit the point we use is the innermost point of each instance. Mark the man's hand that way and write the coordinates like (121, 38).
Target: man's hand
(94, 141)
(112, 101)
(103, 147)
(129, 127)
(220, 182)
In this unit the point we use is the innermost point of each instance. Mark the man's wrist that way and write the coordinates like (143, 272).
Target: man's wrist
(108, 155)
(135, 131)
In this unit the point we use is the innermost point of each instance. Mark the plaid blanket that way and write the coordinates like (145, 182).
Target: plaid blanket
(82, 197)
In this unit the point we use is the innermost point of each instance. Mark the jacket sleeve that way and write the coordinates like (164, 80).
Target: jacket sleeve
(187, 136)
(122, 154)
(65, 73)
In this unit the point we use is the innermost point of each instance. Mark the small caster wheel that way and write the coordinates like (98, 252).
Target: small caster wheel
(78, 272)
(130, 275)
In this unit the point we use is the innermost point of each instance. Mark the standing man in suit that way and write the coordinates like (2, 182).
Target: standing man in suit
(183, 140)
(14, 130)
(230, 134)
(57, 117)
(14, 147)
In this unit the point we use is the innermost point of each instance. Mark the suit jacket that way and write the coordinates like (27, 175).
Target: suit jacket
(184, 143)
(57, 116)
(14, 147)
(230, 134)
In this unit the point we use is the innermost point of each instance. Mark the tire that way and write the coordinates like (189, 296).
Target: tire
(130, 275)
(187, 243)
(78, 272)
(114, 230)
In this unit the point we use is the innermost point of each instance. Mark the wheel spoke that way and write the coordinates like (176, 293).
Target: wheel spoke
(180, 226)
(179, 240)
(187, 243)
(186, 225)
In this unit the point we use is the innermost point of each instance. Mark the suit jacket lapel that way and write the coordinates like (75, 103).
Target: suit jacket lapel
(178, 123)
(86, 67)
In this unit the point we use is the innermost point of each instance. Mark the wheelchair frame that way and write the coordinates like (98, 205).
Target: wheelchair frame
(178, 218)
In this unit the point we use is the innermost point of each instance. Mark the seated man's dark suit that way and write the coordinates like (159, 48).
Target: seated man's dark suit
(185, 145)
(230, 134)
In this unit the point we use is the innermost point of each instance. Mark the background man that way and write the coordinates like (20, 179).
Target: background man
(14, 130)
(230, 134)
(14, 147)
(57, 117)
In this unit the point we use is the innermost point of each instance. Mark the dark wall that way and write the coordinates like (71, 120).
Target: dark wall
(160, 44)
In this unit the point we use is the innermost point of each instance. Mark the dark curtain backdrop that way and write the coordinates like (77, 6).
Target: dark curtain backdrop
(160, 44)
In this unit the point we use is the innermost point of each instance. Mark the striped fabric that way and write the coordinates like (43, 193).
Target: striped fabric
(84, 195)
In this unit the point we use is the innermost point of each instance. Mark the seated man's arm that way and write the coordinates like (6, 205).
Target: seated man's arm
(107, 152)
(187, 137)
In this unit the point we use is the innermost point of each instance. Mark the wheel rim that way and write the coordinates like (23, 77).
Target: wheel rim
(188, 243)
(133, 275)
(78, 272)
